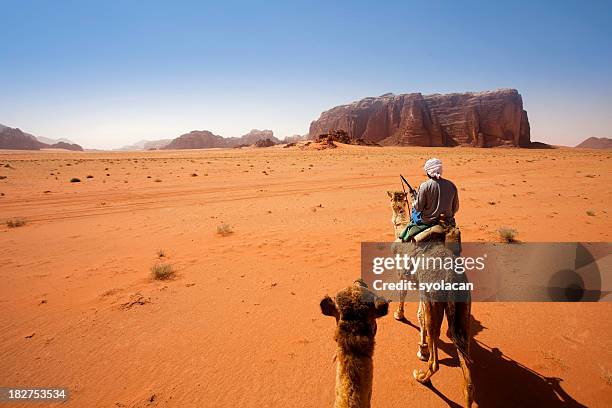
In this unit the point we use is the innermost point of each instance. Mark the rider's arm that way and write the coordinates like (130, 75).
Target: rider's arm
(421, 200)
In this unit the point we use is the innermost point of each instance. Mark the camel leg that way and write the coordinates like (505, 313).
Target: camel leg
(399, 313)
(432, 363)
(468, 386)
(423, 352)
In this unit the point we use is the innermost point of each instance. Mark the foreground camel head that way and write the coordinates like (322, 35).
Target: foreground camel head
(356, 310)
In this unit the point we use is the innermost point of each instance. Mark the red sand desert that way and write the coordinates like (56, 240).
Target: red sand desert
(240, 325)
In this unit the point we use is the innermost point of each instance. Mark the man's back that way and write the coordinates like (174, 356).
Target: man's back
(437, 196)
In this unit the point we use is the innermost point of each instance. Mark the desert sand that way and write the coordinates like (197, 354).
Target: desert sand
(240, 325)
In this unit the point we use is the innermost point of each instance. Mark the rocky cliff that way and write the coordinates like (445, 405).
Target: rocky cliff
(16, 139)
(483, 119)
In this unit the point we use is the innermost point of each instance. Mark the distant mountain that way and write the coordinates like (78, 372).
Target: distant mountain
(254, 136)
(596, 143)
(295, 138)
(147, 145)
(196, 139)
(66, 146)
(204, 139)
(50, 141)
(16, 139)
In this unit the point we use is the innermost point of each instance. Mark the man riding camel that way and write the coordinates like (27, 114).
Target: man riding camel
(435, 197)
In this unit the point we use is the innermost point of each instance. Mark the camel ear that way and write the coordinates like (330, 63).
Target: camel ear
(390, 194)
(381, 307)
(328, 307)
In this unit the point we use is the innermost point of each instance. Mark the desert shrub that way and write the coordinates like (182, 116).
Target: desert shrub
(90, 176)
(224, 230)
(15, 222)
(162, 271)
(590, 213)
(161, 253)
(507, 234)
(75, 180)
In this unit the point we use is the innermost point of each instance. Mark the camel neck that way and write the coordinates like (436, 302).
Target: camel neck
(353, 380)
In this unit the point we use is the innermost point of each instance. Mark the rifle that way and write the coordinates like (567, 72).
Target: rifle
(413, 192)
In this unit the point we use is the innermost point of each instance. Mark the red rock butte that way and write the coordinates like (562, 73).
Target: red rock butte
(480, 119)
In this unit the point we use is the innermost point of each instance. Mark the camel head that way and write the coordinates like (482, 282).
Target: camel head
(356, 310)
(399, 204)
(400, 217)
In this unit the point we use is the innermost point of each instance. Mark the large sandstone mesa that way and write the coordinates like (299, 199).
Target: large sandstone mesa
(197, 139)
(483, 119)
(16, 139)
(203, 139)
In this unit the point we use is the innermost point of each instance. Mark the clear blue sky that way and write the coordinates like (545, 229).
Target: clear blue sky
(106, 73)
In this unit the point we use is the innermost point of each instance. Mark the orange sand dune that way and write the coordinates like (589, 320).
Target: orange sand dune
(240, 326)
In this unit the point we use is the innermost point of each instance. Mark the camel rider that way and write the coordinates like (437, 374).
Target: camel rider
(434, 197)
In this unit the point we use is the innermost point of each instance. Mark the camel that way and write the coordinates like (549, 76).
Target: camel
(399, 219)
(434, 305)
(356, 310)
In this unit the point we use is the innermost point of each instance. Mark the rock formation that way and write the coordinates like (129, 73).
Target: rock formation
(66, 146)
(342, 136)
(265, 143)
(484, 119)
(203, 139)
(49, 141)
(253, 137)
(197, 139)
(295, 138)
(16, 139)
(147, 145)
(596, 143)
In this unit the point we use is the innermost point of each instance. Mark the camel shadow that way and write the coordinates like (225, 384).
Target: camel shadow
(501, 381)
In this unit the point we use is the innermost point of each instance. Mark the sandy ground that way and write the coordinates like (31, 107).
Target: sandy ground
(240, 326)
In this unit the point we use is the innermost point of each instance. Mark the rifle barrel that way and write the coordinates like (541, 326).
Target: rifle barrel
(408, 184)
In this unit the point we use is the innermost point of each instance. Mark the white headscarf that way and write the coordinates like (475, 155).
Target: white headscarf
(433, 168)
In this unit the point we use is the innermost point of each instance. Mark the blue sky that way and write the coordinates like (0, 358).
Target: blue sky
(106, 74)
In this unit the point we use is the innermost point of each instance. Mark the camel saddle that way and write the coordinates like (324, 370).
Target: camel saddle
(443, 231)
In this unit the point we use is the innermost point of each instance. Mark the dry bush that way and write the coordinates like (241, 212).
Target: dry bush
(507, 234)
(75, 180)
(224, 230)
(15, 222)
(161, 253)
(590, 213)
(162, 271)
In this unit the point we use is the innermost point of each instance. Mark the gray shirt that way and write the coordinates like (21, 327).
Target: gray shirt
(437, 196)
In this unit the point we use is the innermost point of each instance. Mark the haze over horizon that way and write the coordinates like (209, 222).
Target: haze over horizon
(111, 74)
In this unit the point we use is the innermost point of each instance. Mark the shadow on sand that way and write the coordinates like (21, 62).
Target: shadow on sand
(501, 381)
